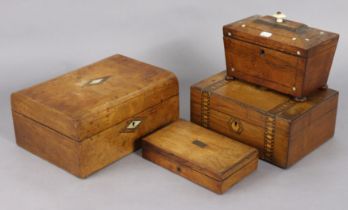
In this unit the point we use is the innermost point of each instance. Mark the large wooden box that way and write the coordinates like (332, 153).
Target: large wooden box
(283, 130)
(200, 155)
(86, 119)
(288, 56)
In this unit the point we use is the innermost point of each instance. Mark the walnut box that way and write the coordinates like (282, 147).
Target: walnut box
(200, 155)
(286, 56)
(86, 119)
(282, 129)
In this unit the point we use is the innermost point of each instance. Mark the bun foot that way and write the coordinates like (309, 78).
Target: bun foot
(324, 87)
(300, 99)
(229, 77)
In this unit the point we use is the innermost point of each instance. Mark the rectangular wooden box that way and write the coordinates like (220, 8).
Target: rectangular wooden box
(88, 118)
(200, 155)
(281, 129)
(289, 57)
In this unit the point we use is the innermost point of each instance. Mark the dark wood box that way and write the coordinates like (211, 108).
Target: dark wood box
(282, 129)
(289, 57)
(200, 155)
(86, 119)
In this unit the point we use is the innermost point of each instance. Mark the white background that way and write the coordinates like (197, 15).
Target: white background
(43, 39)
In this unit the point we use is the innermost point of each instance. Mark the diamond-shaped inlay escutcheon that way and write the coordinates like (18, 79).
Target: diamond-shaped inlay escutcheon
(132, 125)
(98, 81)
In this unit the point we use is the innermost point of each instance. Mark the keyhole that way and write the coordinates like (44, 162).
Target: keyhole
(178, 169)
(235, 126)
(262, 52)
(133, 124)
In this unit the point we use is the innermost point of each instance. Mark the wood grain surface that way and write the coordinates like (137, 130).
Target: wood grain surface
(296, 59)
(91, 117)
(74, 105)
(204, 157)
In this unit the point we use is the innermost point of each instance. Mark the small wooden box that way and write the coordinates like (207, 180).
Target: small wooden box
(289, 57)
(283, 130)
(86, 119)
(202, 156)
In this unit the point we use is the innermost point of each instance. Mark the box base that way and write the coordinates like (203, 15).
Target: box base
(92, 154)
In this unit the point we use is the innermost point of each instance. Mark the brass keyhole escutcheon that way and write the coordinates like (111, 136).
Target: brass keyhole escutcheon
(236, 126)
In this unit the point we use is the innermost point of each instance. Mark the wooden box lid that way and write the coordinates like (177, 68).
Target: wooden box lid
(287, 36)
(84, 102)
(200, 149)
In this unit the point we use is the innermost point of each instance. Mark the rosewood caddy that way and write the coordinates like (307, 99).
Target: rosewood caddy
(280, 54)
